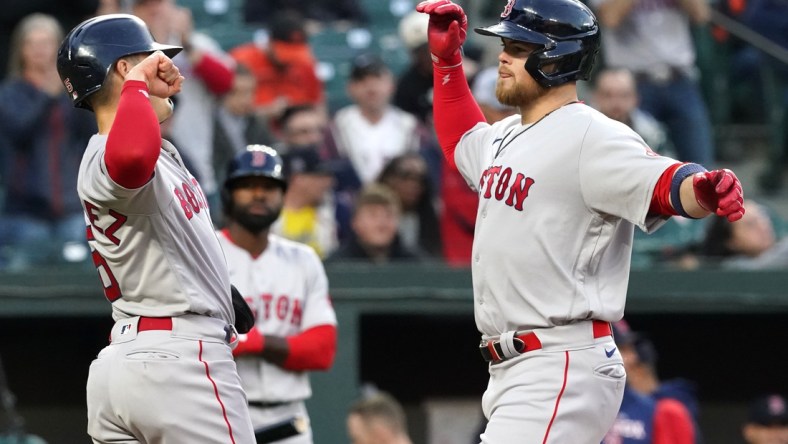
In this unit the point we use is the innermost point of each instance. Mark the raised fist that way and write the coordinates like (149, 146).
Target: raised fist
(447, 31)
(159, 73)
(720, 192)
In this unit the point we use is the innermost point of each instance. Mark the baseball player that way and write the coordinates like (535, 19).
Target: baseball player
(561, 188)
(168, 375)
(285, 284)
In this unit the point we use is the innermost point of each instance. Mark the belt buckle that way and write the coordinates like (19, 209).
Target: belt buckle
(661, 74)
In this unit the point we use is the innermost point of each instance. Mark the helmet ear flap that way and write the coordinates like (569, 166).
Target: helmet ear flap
(556, 64)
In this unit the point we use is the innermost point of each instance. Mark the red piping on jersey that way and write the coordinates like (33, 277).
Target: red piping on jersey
(454, 109)
(134, 141)
(226, 233)
(218, 398)
(558, 400)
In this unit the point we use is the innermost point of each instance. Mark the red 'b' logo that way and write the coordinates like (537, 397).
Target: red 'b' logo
(507, 9)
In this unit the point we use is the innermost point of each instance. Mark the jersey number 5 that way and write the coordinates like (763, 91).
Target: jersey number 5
(108, 281)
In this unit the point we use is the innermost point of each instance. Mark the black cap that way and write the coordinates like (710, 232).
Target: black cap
(305, 161)
(288, 26)
(366, 65)
(769, 410)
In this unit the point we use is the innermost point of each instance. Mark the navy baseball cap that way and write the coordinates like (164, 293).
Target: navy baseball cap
(624, 336)
(305, 161)
(769, 410)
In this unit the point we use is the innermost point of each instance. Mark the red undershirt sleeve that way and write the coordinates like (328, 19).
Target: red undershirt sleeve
(672, 423)
(134, 141)
(454, 109)
(312, 349)
(217, 76)
(660, 199)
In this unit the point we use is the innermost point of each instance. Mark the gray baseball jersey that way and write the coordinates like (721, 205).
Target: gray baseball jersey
(155, 246)
(558, 202)
(287, 288)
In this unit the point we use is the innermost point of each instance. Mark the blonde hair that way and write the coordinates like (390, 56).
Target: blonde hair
(384, 407)
(377, 193)
(27, 25)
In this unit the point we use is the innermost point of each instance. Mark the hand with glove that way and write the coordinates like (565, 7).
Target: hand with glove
(447, 30)
(719, 192)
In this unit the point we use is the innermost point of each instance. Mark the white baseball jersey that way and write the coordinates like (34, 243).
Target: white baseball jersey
(287, 288)
(558, 201)
(155, 246)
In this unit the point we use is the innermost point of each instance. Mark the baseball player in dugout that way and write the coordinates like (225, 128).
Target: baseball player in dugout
(285, 284)
(168, 375)
(561, 188)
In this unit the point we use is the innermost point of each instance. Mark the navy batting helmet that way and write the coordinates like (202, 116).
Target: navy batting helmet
(566, 30)
(88, 52)
(255, 161)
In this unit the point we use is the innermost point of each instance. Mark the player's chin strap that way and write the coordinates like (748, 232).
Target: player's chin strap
(508, 347)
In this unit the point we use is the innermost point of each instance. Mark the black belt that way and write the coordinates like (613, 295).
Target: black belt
(661, 75)
(269, 404)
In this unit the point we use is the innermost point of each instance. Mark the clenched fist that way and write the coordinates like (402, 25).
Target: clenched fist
(720, 192)
(163, 78)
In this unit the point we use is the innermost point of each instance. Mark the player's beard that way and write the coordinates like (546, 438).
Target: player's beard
(519, 94)
(255, 223)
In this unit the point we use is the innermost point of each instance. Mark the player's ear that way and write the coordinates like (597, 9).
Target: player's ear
(123, 66)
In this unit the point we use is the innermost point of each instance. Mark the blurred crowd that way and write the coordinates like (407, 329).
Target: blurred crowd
(367, 179)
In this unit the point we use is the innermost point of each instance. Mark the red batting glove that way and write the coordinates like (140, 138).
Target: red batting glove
(446, 32)
(720, 192)
(251, 343)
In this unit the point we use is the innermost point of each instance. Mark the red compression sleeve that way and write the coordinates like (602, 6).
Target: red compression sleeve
(672, 423)
(134, 141)
(660, 199)
(218, 77)
(454, 109)
(313, 349)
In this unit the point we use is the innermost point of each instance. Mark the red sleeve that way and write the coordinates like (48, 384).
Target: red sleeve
(134, 141)
(218, 77)
(312, 349)
(454, 109)
(660, 200)
(672, 423)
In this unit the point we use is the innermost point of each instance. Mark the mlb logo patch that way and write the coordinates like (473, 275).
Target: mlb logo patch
(126, 328)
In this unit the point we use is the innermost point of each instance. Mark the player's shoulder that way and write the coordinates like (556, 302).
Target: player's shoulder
(93, 152)
(597, 123)
(291, 249)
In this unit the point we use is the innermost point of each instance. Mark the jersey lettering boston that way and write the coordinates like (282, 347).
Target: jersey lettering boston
(498, 181)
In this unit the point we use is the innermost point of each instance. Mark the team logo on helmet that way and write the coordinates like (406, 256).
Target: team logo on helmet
(69, 86)
(258, 159)
(507, 9)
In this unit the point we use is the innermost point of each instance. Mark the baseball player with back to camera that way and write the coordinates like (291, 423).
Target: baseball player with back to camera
(168, 375)
(561, 188)
(286, 286)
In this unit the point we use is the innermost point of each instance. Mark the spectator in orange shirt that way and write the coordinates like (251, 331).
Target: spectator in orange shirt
(284, 67)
